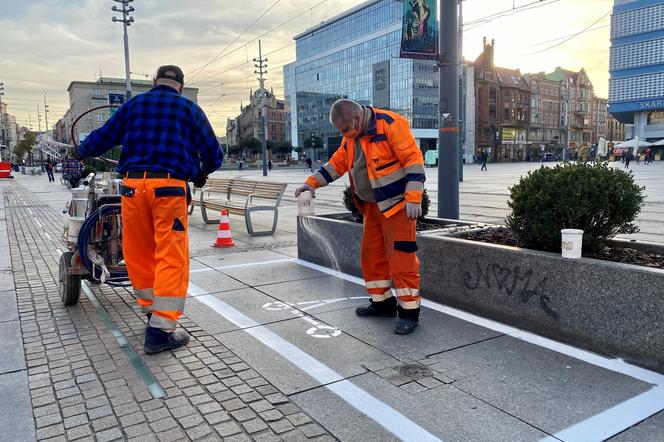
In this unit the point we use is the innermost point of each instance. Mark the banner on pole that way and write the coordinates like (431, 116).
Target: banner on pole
(419, 30)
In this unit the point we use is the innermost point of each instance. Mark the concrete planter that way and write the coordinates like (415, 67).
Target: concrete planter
(606, 307)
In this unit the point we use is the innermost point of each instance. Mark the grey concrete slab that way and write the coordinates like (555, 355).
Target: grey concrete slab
(6, 279)
(445, 412)
(273, 273)
(651, 429)
(319, 294)
(213, 281)
(233, 258)
(547, 389)
(11, 347)
(8, 308)
(436, 332)
(248, 301)
(16, 422)
(343, 354)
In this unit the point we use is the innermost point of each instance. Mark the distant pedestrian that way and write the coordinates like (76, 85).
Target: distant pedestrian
(239, 164)
(628, 157)
(638, 158)
(483, 159)
(310, 165)
(648, 156)
(269, 164)
(49, 170)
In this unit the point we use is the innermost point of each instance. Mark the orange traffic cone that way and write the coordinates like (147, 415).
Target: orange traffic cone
(224, 238)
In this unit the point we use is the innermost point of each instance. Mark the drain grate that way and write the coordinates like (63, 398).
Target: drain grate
(415, 371)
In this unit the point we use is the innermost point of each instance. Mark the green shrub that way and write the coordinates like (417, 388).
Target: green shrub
(349, 203)
(600, 200)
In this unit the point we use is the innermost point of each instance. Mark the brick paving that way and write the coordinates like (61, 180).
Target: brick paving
(82, 384)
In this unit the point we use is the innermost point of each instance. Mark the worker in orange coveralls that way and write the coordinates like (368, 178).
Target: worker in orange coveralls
(387, 176)
(166, 141)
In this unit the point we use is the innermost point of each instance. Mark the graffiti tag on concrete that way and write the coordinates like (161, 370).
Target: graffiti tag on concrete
(512, 281)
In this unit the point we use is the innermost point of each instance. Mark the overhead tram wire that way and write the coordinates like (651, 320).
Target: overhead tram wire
(507, 12)
(584, 30)
(568, 35)
(216, 57)
(244, 46)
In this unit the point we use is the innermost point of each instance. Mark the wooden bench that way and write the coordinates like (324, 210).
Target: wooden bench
(238, 196)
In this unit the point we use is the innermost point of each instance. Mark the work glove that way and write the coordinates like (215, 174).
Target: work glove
(413, 210)
(303, 188)
(200, 180)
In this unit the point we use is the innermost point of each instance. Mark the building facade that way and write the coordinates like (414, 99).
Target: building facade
(85, 95)
(636, 67)
(8, 128)
(356, 55)
(248, 123)
(544, 133)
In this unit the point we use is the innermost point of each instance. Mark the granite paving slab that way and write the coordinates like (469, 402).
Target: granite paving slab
(319, 294)
(550, 390)
(11, 347)
(650, 429)
(273, 273)
(248, 301)
(212, 281)
(437, 332)
(230, 257)
(16, 422)
(446, 412)
(343, 354)
(8, 309)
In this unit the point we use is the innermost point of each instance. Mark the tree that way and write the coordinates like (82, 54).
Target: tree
(313, 143)
(283, 147)
(25, 145)
(251, 145)
(234, 150)
(269, 144)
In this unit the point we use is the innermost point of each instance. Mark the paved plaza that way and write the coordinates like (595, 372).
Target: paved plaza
(277, 352)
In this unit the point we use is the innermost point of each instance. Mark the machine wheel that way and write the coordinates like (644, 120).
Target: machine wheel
(68, 285)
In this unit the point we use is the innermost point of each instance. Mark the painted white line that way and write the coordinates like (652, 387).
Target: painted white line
(614, 420)
(31, 212)
(249, 264)
(37, 222)
(48, 236)
(381, 413)
(617, 418)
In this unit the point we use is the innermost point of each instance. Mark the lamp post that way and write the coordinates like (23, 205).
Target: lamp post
(126, 20)
(2, 120)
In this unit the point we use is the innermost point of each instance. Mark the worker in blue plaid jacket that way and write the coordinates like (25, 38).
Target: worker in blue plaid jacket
(166, 141)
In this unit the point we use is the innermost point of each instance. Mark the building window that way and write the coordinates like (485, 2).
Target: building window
(99, 117)
(656, 117)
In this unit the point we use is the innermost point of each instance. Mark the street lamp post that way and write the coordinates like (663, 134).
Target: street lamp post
(2, 120)
(126, 20)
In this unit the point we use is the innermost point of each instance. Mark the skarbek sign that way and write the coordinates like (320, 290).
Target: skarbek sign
(651, 104)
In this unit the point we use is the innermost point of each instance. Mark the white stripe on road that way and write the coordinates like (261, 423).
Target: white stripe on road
(605, 424)
(235, 266)
(37, 222)
(386, 416)
(31, 212)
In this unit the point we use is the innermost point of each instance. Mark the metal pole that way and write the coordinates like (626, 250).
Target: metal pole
(263, 118)
(448, 108)
(462, 96)
(41, 152)
(45, 112)
(2, 120)
(126, 53)
(566, 134)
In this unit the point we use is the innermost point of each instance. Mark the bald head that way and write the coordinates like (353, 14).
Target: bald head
(344, 110)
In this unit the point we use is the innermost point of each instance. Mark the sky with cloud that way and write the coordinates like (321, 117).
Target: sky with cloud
(45, 44)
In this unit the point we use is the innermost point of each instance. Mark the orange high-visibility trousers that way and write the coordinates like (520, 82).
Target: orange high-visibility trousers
(155, 245)
(389, 258)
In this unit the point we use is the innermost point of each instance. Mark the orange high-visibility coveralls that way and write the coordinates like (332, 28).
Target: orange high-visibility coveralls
(155, 245)
(396, 173)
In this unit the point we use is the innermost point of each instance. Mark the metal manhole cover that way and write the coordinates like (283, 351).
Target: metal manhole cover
(415, 371)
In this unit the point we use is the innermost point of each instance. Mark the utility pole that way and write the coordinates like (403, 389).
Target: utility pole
(46, 113)
(262, 64)
(462, 94)
(566, 128)
(41, 152)
(126, 21)
(448, 109)
(2, 119)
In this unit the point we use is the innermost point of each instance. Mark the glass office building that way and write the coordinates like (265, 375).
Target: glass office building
(636, 66)
(356, 55)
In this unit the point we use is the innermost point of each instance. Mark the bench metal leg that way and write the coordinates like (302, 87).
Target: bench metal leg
(205, 216)
(250, 228)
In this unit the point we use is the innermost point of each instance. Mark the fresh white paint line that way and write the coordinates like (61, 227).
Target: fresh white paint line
(31, 212)
(48, 236)
(614, 420)
(386, 416)
(37, 222)
(599, 427)
(235, 266)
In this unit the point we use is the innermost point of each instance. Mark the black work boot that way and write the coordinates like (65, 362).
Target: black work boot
(382, 309)
(157, 340)
(408, 320)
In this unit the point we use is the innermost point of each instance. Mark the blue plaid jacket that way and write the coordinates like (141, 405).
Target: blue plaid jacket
(160, 130)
